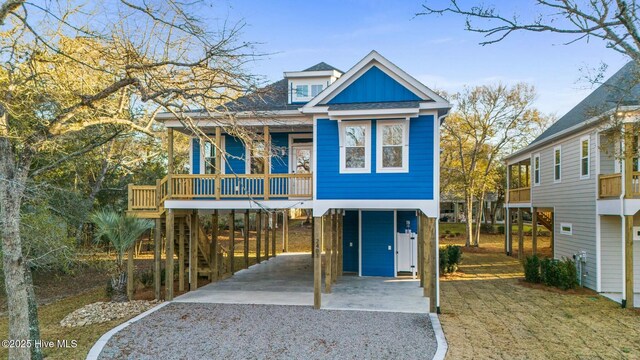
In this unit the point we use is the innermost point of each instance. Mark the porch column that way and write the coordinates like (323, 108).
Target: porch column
(213, 247)
(157, 247)
(232, 240)
(520, 235)
(181, 250)
(170, 169)
(246, 239)
(274, 222)
(507, 230)
(629, 154)
(328, 256)
(455, 211)
(534, 230)
(258, 235)
(219, 165)
(340, 244)
(317, 262)
(428, 229)
(169, 249)
(285, 231)
(266, 235)
(334, 246)
(193, 250)
(267, 163)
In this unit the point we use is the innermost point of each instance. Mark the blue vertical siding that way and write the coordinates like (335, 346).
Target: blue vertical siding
(374, 86)
(280, 163)
(416, 184)
(235, 151)
(403, 217)
(195, 156)
(350, 241)
(377, 236)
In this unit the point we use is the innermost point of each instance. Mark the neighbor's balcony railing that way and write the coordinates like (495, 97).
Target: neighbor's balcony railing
(610, 185)
(520, 195)
(217, 186)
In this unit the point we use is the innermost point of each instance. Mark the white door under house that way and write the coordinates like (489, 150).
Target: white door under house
(611, 254)
(406, 242)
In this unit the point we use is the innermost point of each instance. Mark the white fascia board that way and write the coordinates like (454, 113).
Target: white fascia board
(247, 122)
(522, 157)
(429, 207)
(308, 74)
(238, 204)
(399, 112)
(241, 114)
(434, 105)
(393, 69)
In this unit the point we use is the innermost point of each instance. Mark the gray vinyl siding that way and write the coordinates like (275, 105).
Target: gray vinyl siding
(611, 253)
(573, 200)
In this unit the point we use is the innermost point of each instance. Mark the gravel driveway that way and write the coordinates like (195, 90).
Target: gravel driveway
(232, 331)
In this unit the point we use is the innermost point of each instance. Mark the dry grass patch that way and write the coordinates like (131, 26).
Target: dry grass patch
(487, 313)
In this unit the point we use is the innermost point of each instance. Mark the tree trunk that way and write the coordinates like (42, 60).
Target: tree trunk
(479, 212)
(468, 200)
(119, 287)
(23, 312)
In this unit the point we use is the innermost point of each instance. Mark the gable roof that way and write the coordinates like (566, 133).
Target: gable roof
(273, 97)
(322, 66)
(621, 89)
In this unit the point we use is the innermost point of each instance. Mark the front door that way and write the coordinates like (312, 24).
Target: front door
(301, 164)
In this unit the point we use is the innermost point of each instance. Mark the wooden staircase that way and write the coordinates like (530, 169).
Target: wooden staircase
(545, 219)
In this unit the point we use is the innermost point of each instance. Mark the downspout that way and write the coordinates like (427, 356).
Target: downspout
(623, 223)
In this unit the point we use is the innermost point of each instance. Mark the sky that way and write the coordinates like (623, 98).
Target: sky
(434, 49)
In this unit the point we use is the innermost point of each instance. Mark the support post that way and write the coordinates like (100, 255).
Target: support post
(181, 250)
(534, 230)
(629, 154)
(274, 222)
(421, 241)
(193, 251)
(170, 169)
(520, 235)
(246, 239)
(169, 249)
(157, 247)
(334, 246)
(507, 231)
(232, 240)
(258, 236)
(317, 262)
(214, 247)
(267, 163)
(266, 235)
(553, 235)
(428, 229)
(130, 271)
(340, 244)
(313, 231)
(285, 231)
(328, 256)
(218, 164)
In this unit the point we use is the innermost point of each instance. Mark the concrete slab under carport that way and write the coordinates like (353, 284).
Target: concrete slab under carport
(288, 280)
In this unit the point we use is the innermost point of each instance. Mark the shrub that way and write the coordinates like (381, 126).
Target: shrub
(532, 269)
(550, 272)
(444, 260)
(458, 234)
(146, 278)
(486, 229)
(500, 229)
(568, 275)
(450, 258)
(108, 290)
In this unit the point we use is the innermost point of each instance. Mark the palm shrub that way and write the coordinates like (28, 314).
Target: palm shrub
(122, 232)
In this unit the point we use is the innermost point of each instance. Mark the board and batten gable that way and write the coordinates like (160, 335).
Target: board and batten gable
(374, 86)
(573, 199)
(415, 184)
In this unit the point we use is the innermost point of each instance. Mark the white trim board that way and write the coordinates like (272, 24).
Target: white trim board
(428, 207)
(238, 204)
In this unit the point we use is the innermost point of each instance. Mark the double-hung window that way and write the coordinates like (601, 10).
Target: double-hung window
(536, 169)
(256, 155)
(315, 90)
(557, 164)
(585, 157)
(302, 91)
(392, 153)
(355, 146)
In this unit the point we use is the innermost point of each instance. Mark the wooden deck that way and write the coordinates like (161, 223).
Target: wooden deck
(148, 200)
(610, 185)
(520, 195)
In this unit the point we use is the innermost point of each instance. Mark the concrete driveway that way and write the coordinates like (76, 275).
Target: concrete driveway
(288, 280)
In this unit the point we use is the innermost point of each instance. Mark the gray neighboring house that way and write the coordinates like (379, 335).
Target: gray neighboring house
(573, 178)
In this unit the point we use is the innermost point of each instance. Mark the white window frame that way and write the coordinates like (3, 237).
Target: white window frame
(222, 160)
(405, 146)
(247, 156)
(588, 157)
(367, 147)
(566, 225)
(557, 167)
(311, 89)
(539, 170)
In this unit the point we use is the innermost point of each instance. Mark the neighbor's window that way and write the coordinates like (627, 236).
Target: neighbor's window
(316, 89)
(585, 157)
(536, 169)
(302, 91)
(355, 149)
(566, 228)
(557, 166)
(392, 150)
(256, 158)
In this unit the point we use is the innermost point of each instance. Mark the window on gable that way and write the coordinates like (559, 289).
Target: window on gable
(585, 158)
(557, 165)
(536, 169)
(355, 146)
(392, 149)
(316, 89)
(256, 158)
(302, 91)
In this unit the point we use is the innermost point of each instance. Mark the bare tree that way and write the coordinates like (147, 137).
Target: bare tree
(613, 21)
(73, 67)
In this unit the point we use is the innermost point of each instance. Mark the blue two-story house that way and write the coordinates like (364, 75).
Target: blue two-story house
(361, 144)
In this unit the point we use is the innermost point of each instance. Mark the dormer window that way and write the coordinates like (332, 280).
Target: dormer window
(315, 90)
(302, 91)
